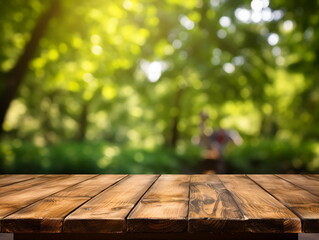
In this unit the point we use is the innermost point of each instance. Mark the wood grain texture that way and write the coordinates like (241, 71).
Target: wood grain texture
(309, 184)
(44, 216)
(47, 215)
(211, 207)
(106, 212)
(39, 182)
(17, 196)
(11, 179)
(263, 213)
(312, 176)
(14, 188)
(300, 201)
(164, 208)
(91, 187)
(148, 205)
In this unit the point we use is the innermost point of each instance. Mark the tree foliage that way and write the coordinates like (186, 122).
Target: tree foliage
(139, 72)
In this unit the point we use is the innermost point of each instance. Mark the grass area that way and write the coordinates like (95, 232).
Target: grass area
(273, 156)
(103, 157)
(94, 157)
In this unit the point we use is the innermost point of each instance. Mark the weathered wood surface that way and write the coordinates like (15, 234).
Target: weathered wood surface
(301, 202)
(163, 208)
(212, 208)
(263, 213)
(43, 216)
(91, 187)
(313, 176)
(107, 211)
(16, 196)
(10, 179)
(47, 215)
(175, 204)
(302, 181)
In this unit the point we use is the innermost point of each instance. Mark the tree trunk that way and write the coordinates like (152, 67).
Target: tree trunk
(83, 122)
(13, 78)
(176, 119)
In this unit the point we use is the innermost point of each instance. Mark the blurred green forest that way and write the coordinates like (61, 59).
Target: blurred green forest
(118, 86)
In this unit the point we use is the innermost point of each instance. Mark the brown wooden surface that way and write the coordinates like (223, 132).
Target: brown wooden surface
(107, 211)
(34, 219)
(312, 176)
(193, 204)
(309, 184)
(10, 179)
(212, 208)
(91, 187)
(164, 207)
(298, 200)
(43, 216)
(16, 196)
(263, 213)
(32, 182)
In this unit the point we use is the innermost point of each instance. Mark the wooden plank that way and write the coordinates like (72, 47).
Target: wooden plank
(11, 179)
(263, 213)
(27, 193)
(47, 215)
(312, 176)
(106, 212)
(91, 187)
(163, 208)
(211, 207)
(10, 189)
(44, 216)
(13, 188)
(309, 184)
(300, 201)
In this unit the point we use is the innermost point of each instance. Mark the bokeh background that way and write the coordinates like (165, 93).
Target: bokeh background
(159, 86)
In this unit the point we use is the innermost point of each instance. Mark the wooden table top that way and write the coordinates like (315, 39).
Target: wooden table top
(159, 203)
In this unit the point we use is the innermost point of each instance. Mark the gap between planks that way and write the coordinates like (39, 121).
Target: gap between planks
(263, 213)
(163, 208)
(107, 211)
(6, 180)
(150, 188)
(310, 185)
(38, 224)
(300, 201)
(141, 198)
(212, 208)
(35, 185)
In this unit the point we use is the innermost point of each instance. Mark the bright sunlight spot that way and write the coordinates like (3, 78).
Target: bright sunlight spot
(243, 15)
(153, 70)
(258, 5)
(97, 50)
(229, 67)
(273, 39)
(225, 21)
(260, 12)
(186, 22)
(288, 25)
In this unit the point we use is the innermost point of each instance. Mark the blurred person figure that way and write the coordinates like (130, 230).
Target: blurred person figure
(215, 145)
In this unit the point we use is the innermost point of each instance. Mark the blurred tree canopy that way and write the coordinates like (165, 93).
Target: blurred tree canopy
(139, 72)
